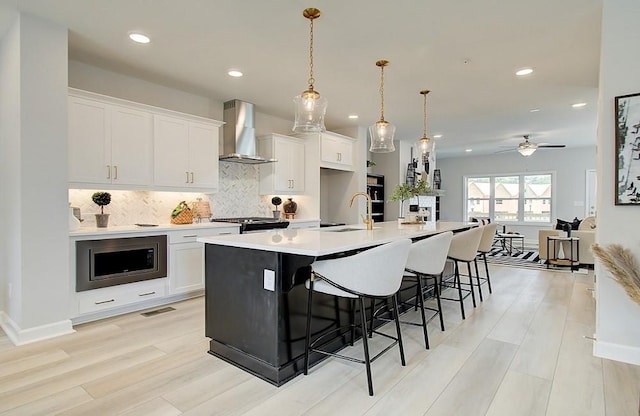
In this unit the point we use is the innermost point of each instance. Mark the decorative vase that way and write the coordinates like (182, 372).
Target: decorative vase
(102, 220)
(74, 223)
(561, 255)
(290, 207)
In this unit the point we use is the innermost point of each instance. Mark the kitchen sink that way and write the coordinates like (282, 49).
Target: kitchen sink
(347, 229)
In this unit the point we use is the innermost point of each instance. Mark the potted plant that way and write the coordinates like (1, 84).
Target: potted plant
(276, 201)
(101, 199)
(401, 193)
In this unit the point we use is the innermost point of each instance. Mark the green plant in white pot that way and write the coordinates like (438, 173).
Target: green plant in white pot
(101, 199)
(401, 193)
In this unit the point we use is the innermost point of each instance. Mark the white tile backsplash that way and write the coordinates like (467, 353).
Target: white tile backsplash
(238, 196)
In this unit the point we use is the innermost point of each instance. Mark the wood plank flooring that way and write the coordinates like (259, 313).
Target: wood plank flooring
(522, 351)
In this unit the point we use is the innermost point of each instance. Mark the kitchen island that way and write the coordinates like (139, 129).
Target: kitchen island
(256, 300)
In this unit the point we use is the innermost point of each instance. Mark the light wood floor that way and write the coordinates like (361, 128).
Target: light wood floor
(522, 352)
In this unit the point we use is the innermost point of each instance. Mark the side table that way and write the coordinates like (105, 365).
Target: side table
(563, 252)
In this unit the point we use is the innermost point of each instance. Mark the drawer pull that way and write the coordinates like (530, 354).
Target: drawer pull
(190, 236)
(147, 294)
(104, 301)
(229, 233)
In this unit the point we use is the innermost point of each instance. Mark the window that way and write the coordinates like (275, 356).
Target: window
(525, 198)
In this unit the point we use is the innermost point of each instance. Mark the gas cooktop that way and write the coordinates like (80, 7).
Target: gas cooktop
(249, 224)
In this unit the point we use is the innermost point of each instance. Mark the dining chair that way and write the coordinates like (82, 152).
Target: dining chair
(486, 242)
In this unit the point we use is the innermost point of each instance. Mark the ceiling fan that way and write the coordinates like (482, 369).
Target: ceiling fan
(527, 148)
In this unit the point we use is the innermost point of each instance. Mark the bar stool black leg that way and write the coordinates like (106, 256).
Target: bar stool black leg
(396, 314)
(372, 315)
(365, 345)
(352, 319)
(424, 319)
(486, 267)
(475, 263)
(458, 283)
(473, 293)
(436, 288)
(308, 334)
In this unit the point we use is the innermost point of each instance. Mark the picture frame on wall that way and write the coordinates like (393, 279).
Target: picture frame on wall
(627, 139)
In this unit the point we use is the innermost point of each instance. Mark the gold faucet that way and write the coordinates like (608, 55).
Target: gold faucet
(369, 219)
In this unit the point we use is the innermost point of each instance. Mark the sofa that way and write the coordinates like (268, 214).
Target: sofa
(586, 232)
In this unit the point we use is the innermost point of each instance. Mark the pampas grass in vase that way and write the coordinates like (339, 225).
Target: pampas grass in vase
(622, 266)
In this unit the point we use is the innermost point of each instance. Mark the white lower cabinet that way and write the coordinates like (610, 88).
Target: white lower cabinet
(122, 295)
(186, 259)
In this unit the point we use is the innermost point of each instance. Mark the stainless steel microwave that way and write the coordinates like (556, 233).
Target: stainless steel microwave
(116, 261)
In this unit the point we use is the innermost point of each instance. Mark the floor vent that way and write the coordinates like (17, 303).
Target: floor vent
(158, 311)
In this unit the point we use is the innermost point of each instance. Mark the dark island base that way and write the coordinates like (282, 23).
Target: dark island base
(261, 330)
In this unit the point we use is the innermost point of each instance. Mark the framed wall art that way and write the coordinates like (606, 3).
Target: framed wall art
(627, 116)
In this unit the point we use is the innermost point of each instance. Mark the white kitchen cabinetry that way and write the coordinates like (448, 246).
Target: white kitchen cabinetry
(336, 151)
(109, 144)
(185, 154)
(186, 258)
(98, 300)
(287, 174)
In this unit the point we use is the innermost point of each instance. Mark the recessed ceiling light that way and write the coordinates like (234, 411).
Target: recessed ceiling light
(534, 110)
(235, 73)
(468, 150)
(353, 116)
(139, 37)
(437, 136)
(578, 105)
(524, 71)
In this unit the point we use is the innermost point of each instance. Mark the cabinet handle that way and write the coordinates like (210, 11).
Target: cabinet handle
(340, 157)
(191, 177)
(224, 234)
(187, 181)
(147, 294)
(190, 236)
(293, 183)
(108, 171)
(104, 301)
(115, 172)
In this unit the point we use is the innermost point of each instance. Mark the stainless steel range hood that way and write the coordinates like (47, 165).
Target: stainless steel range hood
(239, 138)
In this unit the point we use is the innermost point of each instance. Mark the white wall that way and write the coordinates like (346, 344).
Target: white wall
(617, 317)
(570, 166)
(35, 220)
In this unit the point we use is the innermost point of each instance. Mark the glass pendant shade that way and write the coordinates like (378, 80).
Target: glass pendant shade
(425, 145)
(382, 137)
(382, 131)
(310, 108)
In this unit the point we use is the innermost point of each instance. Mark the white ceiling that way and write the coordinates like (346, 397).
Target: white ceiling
(466, 52)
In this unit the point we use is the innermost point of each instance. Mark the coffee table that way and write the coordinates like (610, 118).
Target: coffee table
(511, 242)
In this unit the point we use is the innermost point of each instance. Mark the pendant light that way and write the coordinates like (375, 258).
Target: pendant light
(382, 131)
(310, 106)
(425, 144)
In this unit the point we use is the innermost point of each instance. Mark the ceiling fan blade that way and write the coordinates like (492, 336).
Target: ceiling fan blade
(505, 151)
(552, 145)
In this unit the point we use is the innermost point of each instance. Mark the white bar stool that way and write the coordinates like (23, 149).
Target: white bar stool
(426, 260)
(464, 247)
(373, 273)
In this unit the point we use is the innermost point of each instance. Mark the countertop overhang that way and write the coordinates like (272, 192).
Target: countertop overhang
(324, 241)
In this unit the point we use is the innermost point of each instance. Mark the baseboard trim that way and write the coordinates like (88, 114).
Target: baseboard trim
(617, 352)
(21, 336)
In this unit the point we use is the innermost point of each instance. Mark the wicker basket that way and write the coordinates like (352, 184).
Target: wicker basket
(184, 217)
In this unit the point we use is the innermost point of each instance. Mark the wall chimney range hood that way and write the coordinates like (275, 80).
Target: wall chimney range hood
(239, 138)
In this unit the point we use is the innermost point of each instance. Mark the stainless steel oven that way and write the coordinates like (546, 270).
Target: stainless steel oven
(116, 261)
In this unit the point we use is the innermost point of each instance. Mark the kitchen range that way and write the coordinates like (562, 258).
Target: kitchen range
(254, 224)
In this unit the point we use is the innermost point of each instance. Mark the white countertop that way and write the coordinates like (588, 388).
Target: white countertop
(322, 241)
(128, 229)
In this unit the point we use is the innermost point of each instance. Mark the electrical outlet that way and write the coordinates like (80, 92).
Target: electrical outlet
(269, 280)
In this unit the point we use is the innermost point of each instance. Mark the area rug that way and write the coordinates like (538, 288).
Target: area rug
(527, 259)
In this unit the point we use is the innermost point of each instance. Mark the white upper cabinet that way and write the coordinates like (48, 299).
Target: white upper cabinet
(287, 174)
(336, 151)
(126, 145)
(109, 144)
(185, 154)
